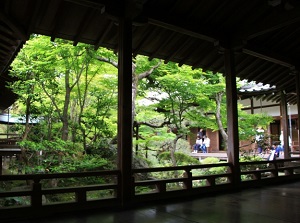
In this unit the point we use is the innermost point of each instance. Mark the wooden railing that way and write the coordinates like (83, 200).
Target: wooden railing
(264, 172)
(149, 184)
(36, 187)
(9, 138)
(8, 147)
(190, 180)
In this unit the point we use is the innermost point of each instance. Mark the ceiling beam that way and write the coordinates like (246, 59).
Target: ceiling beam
(269, 56)
(18, 31)
(276, 21)
(175, 28)
(90, 4)
(10, 57)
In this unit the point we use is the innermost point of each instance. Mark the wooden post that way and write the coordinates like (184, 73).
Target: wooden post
(188, 183)
(36, 197)
(232, 116)
(251, 103)
(124, 106)
(298, 104)
(80, 196)
(211, 181)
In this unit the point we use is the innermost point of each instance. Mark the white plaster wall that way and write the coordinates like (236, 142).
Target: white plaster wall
(273, 111)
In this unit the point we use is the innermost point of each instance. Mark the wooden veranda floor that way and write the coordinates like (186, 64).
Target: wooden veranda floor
(276, 204)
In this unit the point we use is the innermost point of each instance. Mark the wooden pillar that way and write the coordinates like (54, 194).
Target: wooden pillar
(232, 116)
(251, 102)
(124, 106)
(284, 124)
(298, 104)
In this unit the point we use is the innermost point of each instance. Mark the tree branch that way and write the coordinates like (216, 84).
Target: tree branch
(148, 72)
(108, 60)
(153, 126)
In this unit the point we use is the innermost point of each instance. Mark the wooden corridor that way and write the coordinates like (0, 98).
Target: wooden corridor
(276, 204)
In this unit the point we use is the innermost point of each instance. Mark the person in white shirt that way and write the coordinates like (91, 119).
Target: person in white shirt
(282, 142)
(206, 144)
(198, 145)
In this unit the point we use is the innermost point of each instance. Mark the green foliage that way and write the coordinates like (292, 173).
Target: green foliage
(213, 170)
(209, 171)
(14, 201)
(73, 86)
(248, 124)
(59, 156)
(59, 84)
(181, 158)
(63, 85)
(210, 160)
(250, 158)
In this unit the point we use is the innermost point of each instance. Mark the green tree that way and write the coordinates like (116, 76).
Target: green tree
(142, 68)
(193, 98)
(74, 89)
(59, 83)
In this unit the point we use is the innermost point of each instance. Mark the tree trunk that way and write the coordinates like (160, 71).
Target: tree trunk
(64, 118)
(218, 117)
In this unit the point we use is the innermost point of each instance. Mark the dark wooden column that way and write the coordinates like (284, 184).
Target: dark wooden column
(251, 103)
(124, 107)
(232, 115)
(298, 103)
(284, 124)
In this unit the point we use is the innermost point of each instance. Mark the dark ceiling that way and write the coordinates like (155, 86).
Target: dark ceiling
(264, 33)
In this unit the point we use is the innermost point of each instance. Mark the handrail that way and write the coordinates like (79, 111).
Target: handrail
(191, 180)
(36, 191)
(276, 171)
(59, 175)
(159, 169)
(188, 183)
(9, 134)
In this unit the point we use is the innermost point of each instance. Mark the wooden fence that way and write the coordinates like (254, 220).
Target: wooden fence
(149, 184)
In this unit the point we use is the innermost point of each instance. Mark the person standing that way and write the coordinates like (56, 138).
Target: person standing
(259, 138)
(282, 142)
(200, 133)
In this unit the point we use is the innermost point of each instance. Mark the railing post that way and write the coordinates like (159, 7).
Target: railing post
(257, 176)
(188, 183)
(289, 172)
(133, 186)
(274, 172)
(161, 187)
(211, 181)
(36, 197)
(80, 196)
(230, 170)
